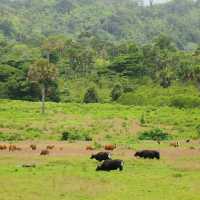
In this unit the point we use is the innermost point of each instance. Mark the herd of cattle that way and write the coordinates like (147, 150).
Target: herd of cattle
(108, 163)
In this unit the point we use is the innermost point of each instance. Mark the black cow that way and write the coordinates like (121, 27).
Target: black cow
(109, 165)
(148, 154)
(101, 156)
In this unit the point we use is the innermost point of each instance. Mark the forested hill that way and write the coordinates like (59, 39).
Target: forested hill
(30, 21)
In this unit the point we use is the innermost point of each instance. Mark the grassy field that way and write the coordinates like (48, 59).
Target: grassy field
(110, 122)
(69, 174)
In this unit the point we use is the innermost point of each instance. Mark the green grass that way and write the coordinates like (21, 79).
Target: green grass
(67, 177)
(22, 120)
(75, 178)
(178, 95)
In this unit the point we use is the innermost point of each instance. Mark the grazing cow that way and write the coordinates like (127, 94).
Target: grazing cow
(33, 146)
(101, 156)
(192, 148)
(109, 165)
(151, 154)
(89, 148)
(174, 144)
(110, 147)
(3, 147)
(12, 147)
(50, 147)
(44, 152)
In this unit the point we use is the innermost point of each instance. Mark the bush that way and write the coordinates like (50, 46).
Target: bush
(142, 120)
(198, 130)
(116, 92)
(182, 101)
(10, 137)
(127, 89)
(75, 135)
(155, 134)
(91, 96)
(65, 136)
(97, 145)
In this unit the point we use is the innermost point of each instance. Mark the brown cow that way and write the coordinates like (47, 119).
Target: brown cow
(110, 147)
(3, 147)
(33, 146)
(44, 152)
(174, 144)
(12, 147)
(89, 148)
(50, 147)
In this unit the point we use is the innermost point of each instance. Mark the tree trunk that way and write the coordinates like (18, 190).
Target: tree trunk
(43, 98)
(151, 2)
(48, 57)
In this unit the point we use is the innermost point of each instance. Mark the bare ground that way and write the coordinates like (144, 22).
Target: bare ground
(184, 154)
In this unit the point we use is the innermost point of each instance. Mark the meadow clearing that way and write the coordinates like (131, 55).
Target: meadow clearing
(70, 174)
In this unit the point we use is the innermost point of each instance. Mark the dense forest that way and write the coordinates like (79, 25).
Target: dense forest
(101, 51)
(30, 21)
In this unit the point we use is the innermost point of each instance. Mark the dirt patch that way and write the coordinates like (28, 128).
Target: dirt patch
(170, 154)
(136, 127)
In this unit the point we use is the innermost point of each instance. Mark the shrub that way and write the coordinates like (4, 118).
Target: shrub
(75, 135)
(91, 96)
(155, 134)
(116, 92)
(183, 101)
(142, 120)
(65, 136)
(87, 137)
(128, 88)
(97, 145)
(198, 130)
(10, 137)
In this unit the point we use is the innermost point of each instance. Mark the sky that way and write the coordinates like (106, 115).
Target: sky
(156, 1)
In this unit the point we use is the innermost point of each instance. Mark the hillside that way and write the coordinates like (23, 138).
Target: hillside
(114, 20)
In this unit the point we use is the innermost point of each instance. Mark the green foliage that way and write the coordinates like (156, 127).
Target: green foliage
(142, 120)
(184, 101)
(114, 21)
(97, 145)
(111, 49)
(116, 92)
(42, 72)
(10, 137)
(154, 134)
(75, 135)
(91, 96)
(177, 96)
(198, 130)
(129, 65)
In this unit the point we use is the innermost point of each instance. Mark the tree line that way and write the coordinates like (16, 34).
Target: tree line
(29, 73)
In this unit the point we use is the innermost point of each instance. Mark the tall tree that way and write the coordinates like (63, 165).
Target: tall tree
(43, 73)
